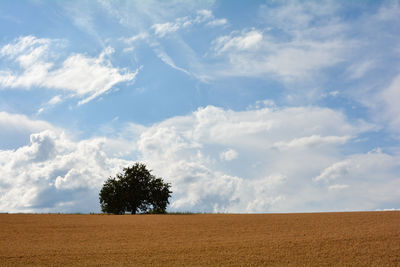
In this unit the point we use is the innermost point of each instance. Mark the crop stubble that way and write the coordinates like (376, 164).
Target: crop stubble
(314, 239)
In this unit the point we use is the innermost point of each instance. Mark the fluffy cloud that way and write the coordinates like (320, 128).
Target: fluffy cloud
(82, 76)
(17, 128)
(54, 173)
(291, 159)
(194, 152)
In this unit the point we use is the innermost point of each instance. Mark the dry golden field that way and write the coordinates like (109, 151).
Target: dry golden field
(315, 239)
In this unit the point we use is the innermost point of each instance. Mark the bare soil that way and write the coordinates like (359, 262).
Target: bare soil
(314, 239)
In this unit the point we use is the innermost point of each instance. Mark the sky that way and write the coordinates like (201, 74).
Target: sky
(243, 106)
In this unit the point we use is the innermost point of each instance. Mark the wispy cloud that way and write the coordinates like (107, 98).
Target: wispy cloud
(161, 54)
(388, 107)
(247, 41)
(202, 17)
(257, 53)
(52, 102)
(359, 69)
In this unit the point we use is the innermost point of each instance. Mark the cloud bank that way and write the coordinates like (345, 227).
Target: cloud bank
(259, 160)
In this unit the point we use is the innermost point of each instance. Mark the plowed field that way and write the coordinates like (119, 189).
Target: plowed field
(316, 239)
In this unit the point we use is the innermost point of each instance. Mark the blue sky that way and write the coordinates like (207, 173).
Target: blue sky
(243, 106)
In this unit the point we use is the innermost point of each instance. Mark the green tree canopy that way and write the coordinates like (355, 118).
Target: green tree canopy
(135, 190)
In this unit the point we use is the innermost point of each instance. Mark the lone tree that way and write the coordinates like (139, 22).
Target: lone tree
(136, 189)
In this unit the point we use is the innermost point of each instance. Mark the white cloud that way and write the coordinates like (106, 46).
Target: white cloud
(162, 29)
(55, 100)
(298, 41)
(266, 179)
(202, 16)
(358, 70)
(253, 53)
(391, 11)
(228, 155)
(334, 93)
(338, 187)
(25, 44)
(196, 153)
(363, 181)
(382, 102)
(161, 54)
(217, 22)
(309, 141)
(388, 104)
(83, 76)
(17, 128)
(52, 102)
(246, 41)
(363, 166)
(54, 173)
(138, 15)
(135, 38)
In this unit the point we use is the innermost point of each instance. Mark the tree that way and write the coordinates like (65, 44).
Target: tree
(136, 189)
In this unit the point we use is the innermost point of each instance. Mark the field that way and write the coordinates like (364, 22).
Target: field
(314, 239)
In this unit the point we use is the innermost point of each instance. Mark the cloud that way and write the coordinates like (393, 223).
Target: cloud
(358, 70)
(162, 29)
(228, 155)
(388, 104)
(391, 11)
(202, 16)
(17, 128)
(55, 100)
(55, 174)
(84, 77)
(382, 102)
(314, 140)
(246, 41)
(52, 102)
(292, 42)
(364, 166)
(157, 31)
(296, 43)
(364, 181)
(196, 153)
(371, 83)
(338, 187)
(217, 22)
(135, 38)
(139, 15)
(255, 54)
(161, 54)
